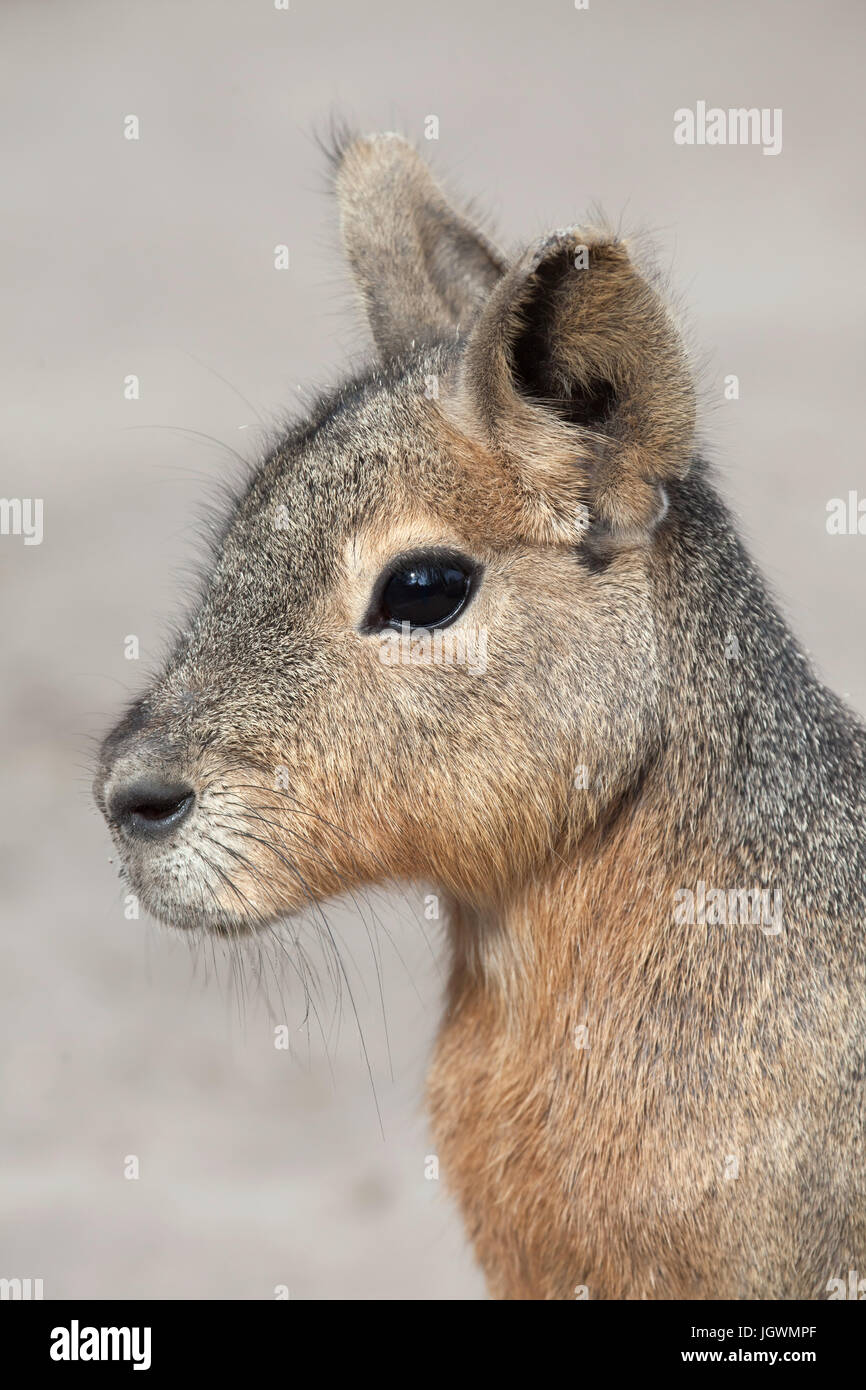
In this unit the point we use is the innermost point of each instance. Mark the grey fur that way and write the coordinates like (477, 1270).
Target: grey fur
(608, 653)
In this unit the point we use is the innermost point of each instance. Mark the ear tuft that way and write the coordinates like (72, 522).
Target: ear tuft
(333, 139)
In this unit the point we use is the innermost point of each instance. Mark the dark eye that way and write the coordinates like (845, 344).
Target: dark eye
(423, 590)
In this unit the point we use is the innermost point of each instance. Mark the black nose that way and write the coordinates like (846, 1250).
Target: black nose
(151, 807)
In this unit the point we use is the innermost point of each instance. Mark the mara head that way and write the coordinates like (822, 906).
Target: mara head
(429, 618)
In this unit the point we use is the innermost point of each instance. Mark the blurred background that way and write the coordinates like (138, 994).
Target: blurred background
(154, 257)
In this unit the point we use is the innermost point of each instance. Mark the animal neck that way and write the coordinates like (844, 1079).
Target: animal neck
(594, 910)
(752, 756)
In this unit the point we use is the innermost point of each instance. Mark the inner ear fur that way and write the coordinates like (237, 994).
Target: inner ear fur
(421, 267)
(576, 376)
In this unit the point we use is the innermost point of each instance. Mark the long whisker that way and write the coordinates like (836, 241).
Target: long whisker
(296, 873)
(298, 876)
(240, 395)
(371, 928)
(308, 998)
(237, 979)
(200, 434)
(248, 812)
(298, 809)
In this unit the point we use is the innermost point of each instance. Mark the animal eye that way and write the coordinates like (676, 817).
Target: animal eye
(424, 591)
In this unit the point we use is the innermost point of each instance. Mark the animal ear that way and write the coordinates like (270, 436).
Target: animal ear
(421, 267)
(576, 375)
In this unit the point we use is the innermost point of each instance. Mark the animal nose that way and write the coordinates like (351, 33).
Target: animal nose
(151, 807)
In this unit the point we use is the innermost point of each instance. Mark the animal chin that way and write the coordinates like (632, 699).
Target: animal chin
(197, 918)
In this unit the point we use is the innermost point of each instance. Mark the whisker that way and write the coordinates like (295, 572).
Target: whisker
(296, 873)
(359, 905)
(237, 854)
(297, 809)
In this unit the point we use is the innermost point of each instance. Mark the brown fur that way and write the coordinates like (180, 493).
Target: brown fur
(623, 1103)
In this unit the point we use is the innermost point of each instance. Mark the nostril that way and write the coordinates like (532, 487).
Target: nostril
(151, 807)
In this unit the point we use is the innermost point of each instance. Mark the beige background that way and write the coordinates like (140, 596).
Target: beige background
(155, 258)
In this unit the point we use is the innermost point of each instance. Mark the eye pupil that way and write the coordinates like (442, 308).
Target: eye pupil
(425, 593)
